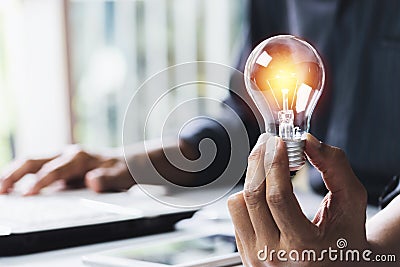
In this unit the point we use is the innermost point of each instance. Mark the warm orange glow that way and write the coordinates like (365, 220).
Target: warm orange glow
(285, 76)
(287, 68)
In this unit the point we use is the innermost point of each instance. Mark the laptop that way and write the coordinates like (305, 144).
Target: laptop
(55, 220)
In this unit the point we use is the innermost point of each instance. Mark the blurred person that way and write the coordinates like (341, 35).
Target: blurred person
(358, 41)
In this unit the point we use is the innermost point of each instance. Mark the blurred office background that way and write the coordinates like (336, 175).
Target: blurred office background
(69, 68)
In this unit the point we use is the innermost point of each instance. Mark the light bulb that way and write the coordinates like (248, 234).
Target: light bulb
(285, 76)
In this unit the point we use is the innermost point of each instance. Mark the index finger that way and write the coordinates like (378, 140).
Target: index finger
(254, 194)
(47, 178)
(27, 167)
(282, 202)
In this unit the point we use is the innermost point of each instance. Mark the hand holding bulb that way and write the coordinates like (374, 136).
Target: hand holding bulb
(285, 77)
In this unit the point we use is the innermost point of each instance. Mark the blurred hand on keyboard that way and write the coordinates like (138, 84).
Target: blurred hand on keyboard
(74, 167)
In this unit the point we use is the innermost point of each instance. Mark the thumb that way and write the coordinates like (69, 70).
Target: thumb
(333, 165)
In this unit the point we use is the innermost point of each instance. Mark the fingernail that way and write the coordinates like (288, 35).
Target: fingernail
(235, 195)
(27, 194)
(233, 202)
(30, 192)
(262, 139)
(270, 152)
(255, 174)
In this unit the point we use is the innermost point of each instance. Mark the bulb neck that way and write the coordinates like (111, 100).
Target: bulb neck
(295, 150)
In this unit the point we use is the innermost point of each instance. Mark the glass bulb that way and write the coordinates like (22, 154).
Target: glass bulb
(285, 76)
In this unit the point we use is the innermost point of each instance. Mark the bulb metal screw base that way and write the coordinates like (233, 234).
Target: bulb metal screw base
(295, 150)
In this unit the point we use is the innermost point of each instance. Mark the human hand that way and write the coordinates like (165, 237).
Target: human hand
(73, 166)
(267, 214)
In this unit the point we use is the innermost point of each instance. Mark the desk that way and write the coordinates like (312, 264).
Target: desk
(215, 216)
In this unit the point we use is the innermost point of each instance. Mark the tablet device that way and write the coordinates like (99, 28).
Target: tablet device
(189, 251)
